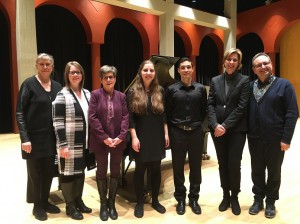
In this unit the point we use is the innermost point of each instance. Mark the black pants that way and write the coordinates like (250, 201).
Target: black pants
(40, 173)
(266, 155)
(67, 179)
(229, 149)
(183, 143)
(139, 172)
(72, 188)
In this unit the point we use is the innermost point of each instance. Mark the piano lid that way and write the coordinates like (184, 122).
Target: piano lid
(162, 66)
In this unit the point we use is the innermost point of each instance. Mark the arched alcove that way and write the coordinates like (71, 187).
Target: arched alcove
(61, 34)
(207, 61)
(179, 51)
(5, 84)
(122, 48)
(250, 44)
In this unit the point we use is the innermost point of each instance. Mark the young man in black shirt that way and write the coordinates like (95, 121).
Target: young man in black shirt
(186, 103)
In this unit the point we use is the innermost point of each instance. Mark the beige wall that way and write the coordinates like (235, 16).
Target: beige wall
(289, 57)
(26, 39)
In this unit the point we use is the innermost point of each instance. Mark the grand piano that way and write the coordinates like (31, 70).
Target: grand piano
(162, 66)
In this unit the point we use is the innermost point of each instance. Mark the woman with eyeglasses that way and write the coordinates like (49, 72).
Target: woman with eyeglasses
(108, 119)
(70, 121)
(33, 114)
(227, 119)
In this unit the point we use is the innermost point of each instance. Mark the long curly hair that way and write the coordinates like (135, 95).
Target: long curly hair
(139, 96)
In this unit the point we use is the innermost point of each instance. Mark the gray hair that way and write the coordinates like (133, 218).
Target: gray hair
(260, 54)
(107, 68)
(44, 56)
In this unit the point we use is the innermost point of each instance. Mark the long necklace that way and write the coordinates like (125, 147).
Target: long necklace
(46, 85)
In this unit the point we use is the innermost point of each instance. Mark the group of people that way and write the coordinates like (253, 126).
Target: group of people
(72, 123)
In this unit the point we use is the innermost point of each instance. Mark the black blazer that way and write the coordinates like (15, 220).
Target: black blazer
(229, 110)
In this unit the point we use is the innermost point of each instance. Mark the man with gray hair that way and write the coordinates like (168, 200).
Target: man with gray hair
(273, 113)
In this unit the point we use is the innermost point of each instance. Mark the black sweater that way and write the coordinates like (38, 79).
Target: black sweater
(274, 117)
(34, 117)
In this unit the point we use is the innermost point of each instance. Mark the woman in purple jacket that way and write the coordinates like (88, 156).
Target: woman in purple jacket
(108, 120)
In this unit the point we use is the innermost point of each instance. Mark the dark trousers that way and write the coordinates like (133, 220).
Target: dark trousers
(139, 173)
(67, 179)
(72, 187)
(102, 162)
(183, 143)
(266, 155)
(229, 149)
(40, 173)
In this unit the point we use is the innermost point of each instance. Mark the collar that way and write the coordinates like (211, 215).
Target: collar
(107, 94)
(230, 77)
(186, 87)
(268, 81)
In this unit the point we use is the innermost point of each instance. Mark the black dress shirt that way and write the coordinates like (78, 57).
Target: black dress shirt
(186, 105)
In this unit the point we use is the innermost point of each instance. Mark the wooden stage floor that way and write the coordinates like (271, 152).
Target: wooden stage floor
(15, 209)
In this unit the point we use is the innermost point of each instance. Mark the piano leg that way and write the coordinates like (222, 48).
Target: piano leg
(205, 156)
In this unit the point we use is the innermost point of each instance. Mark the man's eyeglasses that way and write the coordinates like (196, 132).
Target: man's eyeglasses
(75, 72)
(259, 65)
(110, 77)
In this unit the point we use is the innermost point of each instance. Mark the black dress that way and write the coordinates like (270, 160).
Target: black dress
(34, 117)
(150, 132)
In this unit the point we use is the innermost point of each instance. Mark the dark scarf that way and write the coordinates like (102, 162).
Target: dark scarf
(262, 84)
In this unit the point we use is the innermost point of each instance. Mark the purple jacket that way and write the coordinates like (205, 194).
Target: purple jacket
(99, 127)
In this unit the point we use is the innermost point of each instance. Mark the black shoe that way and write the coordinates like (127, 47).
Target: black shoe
(270, 211)
(225, 204)
(139, 210)
(195, 207)
(103, 212)
(112, 212)
(39, 214)
(158, 207)
(235, 206)
(256, 207)
(72, 211)
(82, 207)
(180, 207)
(52, 209)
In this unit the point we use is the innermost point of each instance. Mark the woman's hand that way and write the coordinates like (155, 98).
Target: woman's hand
(116, 141)
(135, 143)
(219, 131)
(109, 142)
(167, 140)
(284, 146)
(112, 143)
(26, 147)
(64, 152)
